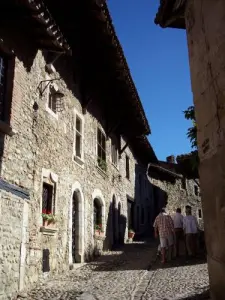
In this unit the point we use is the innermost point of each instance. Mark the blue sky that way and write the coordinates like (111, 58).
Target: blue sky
(158, 61)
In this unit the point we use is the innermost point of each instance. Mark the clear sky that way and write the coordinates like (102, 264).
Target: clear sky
(158, 61)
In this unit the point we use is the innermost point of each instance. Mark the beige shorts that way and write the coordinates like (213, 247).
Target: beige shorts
(166, 242)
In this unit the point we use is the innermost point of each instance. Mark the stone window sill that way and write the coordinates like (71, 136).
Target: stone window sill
(6, 128)
(100, 236)
(101, 172)
(79, 161)
(47, 230)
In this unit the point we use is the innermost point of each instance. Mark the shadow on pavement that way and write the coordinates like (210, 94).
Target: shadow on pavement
(202, 296)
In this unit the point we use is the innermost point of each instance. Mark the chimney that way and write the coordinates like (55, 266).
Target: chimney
(171, 159)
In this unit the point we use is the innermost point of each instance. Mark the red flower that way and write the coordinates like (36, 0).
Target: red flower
(44, 211)
(48, 212)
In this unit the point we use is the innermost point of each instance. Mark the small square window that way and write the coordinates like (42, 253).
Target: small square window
(127, 167)
(199, 213)
(48, 199)
(52, 100)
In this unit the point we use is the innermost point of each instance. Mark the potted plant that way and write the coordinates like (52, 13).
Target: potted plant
(98, 229)
(48, 218)
(131, 233)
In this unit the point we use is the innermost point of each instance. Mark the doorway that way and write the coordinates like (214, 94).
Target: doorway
(114, 223)
(130, 214)
(77, 228)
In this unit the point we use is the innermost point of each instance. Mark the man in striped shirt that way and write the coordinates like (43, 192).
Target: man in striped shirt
(164, 228)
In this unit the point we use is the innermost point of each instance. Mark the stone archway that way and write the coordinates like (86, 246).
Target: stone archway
(76, 245)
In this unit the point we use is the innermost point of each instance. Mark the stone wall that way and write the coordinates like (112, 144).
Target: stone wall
(205, 21)
(13, 239)
(179, 196)
(42, 148)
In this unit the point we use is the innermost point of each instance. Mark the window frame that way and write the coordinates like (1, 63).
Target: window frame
(199, 210)
(127, 162)
(114, 147)
(101, 162)
(48, 92)
(50, 178)
(9, 58)
(76, 158)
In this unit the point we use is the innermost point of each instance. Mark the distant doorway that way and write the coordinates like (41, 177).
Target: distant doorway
(77, 226)
(114, 223)
(130, 214)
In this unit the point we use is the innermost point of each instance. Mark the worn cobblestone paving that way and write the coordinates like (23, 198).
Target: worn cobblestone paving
(115, 275)
(178, 280)
(125, 274)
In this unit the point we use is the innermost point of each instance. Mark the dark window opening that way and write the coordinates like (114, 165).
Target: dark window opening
(127, 167)
(101, 140)
(3, 82)
(78, 140)
(48, 199)
(45, 260)
(97, 214)
(183, 183)
(52, 99)
(199, 213)
(196, 190)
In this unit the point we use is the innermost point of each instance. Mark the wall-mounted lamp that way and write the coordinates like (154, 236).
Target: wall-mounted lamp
(48, 81)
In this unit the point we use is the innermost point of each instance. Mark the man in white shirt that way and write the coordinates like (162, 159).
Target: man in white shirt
(190, 226)
(178, 228)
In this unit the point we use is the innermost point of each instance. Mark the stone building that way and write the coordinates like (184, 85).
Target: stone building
(73, 140)
(204, 23)
(175, 185)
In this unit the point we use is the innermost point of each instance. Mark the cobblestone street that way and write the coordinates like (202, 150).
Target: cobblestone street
(124, 275)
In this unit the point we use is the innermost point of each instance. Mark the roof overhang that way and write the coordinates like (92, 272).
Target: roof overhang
(105, 74)
(34, 19)
(171, 14)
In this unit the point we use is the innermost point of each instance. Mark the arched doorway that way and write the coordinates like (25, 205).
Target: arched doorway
(77, 228)
(114, 223)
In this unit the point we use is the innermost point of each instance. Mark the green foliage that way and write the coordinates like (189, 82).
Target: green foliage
(192, 131)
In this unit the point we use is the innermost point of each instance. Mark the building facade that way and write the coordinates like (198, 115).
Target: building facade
(71, 153)
(174, 188)
(204, 24)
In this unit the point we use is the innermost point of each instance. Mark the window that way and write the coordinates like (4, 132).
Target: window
(97, 214)
(7, 64)
(114, 152)
(48, 199)
(196, 190)
(183, 183)
(127, 167)
(52, 99)
(78, 137)
(142, 215)
(199, 213)
(101, 139)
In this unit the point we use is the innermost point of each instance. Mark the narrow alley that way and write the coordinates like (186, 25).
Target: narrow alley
(133, 272)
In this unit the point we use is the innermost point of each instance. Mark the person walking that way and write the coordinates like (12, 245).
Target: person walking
(164, 228)
(178, 228)
(190, 226)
